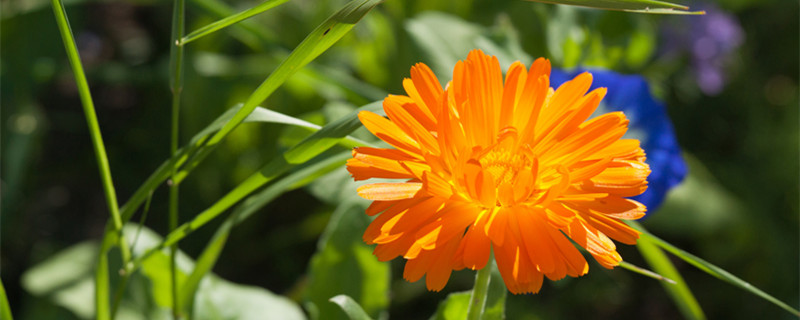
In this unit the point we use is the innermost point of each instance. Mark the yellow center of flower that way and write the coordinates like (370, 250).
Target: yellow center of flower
(504, 165)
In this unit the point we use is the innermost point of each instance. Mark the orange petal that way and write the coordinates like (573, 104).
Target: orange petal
(389, 191)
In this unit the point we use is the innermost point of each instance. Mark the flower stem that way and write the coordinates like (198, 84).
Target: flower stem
(176, 84)
(478, 298)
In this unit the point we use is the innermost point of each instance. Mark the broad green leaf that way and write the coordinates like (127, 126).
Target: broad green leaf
(210, 254)
(350, 307)
(344, 264)
(678, 290)
(642, 6)
(230, 20)
(66, 278)
(711, 269)
(454, 307)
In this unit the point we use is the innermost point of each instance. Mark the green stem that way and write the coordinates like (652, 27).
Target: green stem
(478, 298)
(176, 84)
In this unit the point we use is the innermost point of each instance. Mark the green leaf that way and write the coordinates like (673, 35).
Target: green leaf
(230, 20)
(343, 264)
(66, 279)
(711, 269)
(454, 307)
(679, 291)
(642, 6)
(350, 307)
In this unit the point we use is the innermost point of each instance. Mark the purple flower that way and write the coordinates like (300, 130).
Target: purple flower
(649, 123)
(710, 40)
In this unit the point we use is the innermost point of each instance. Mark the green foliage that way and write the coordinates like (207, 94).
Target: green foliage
(66, 280)
(642, 6)
(350, 307)
(344, 264)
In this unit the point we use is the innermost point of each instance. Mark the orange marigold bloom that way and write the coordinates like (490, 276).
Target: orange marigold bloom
(512, 167)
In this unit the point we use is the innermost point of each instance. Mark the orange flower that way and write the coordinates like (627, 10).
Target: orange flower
(512, 167)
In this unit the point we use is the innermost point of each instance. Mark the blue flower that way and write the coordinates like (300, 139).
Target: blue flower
(649, 123)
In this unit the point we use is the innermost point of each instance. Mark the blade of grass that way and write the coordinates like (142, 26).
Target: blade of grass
(229, 20)
(251, 34)
(210, 254)
(350, 307)
(5, 309)
(647, 273)
(321, 141)
(713, 270)
(640, 6)
(176, 85)
(317, 42)
(679, 292)
(258, 115)
(114, 233)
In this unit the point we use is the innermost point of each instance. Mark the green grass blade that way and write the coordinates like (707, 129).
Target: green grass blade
(102, 287)
(333, 133)
(258, 115)
(210, 254)
(641, 6)
(5, 309)
(713, 270)
(642, 271)
(230, 20)
(317, 42)
(88, 110)
(350, 307)
(679, 291)
(251, 34)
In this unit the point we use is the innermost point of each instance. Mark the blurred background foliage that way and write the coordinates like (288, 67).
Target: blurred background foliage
(729, 80)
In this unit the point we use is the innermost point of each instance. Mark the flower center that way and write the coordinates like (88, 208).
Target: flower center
(504, 165)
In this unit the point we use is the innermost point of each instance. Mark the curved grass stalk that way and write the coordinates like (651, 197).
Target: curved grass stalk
(711, 269)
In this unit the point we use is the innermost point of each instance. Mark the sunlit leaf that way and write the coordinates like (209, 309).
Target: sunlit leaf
(642, 6)
(350, 307)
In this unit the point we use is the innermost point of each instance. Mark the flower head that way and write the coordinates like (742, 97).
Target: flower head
(510, 166)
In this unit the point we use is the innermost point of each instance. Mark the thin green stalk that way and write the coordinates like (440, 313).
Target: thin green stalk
(230, 20)
(176, 75)
(125, 276)
(477, 300)
(115, 233)
(713, 270)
